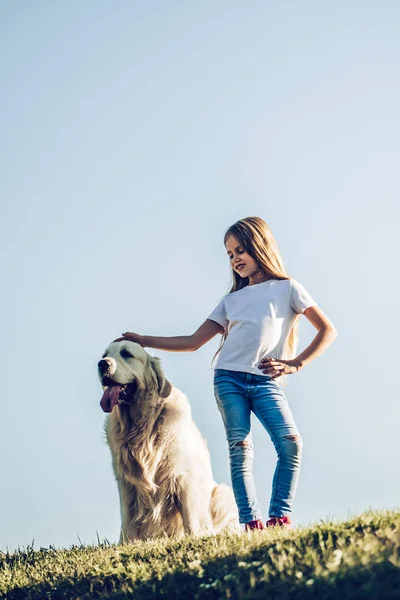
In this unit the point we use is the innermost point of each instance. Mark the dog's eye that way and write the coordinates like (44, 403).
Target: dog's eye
(126, 354)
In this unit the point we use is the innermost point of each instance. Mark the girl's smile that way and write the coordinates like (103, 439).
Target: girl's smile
(243, 263)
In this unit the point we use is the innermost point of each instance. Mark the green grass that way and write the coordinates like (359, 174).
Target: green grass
(358, 558)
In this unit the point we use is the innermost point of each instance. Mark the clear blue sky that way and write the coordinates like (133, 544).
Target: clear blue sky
(132, 135)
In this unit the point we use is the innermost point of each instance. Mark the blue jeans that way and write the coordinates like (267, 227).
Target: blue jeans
(237, 394)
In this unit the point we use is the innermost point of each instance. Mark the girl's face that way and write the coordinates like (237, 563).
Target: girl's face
(241, 262)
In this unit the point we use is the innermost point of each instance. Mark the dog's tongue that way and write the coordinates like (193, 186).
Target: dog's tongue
(110, 397)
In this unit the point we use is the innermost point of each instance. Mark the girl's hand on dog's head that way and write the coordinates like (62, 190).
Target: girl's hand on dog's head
(130, 337)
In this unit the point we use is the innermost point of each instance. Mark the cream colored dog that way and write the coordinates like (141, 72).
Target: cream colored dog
(160, 460)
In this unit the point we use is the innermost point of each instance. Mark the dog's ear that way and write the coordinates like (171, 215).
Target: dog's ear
(164, 386)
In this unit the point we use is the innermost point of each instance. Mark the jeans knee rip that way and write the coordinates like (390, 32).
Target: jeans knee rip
(292, 438)
(240, 444)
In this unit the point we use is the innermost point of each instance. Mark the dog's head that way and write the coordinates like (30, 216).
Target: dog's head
(127, 371)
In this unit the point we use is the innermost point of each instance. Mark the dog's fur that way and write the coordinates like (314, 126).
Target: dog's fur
(160, 460)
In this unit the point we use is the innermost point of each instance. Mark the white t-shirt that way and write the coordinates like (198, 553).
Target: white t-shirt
(258, 319)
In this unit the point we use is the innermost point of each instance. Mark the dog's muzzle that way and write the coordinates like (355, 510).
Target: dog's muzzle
(107, 366)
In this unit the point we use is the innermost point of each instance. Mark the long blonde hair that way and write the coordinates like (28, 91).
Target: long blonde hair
(255, 237)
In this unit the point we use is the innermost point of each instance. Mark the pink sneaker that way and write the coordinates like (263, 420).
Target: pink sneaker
(279, 522)
(257, 524)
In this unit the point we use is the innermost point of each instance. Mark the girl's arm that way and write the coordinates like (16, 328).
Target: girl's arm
(324, 338)
(182, 343)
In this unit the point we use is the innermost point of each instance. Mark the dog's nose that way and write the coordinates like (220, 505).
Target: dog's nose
(104, 364)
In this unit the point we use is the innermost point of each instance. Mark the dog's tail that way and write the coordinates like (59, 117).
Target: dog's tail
(224, 512)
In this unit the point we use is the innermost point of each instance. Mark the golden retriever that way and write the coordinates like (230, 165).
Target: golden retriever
(159, 457)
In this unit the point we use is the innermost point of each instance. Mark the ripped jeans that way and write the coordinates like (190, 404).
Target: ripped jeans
(237, 394)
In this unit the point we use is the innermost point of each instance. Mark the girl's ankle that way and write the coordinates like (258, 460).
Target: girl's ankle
(253, 525)
(285, 521)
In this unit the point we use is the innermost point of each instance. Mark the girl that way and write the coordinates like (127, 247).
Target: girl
(258, 320)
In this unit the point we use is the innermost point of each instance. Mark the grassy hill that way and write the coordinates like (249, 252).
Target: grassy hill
(359, 558)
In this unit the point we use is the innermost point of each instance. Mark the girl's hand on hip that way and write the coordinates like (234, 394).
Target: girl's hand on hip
(130, 337)
(275, 367)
